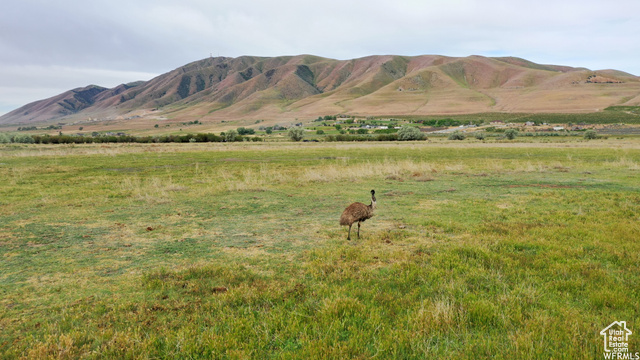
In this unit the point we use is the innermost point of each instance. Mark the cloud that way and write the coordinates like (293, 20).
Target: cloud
(67, 77)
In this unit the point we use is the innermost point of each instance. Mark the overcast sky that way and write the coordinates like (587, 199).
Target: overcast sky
(47, 47)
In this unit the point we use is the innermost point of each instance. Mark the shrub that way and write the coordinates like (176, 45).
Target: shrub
(296, 134)
(230, 136)
(590, 135)
(511, 134)
(320, 132)
(245, 131)
(480, 135)
(410, 133)
(23, 139)
(387, 137)
(385, 131)
(379, 137)
(363, 131)
(457, 135)
(4, 138)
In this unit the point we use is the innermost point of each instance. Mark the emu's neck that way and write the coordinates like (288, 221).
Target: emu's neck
(373, 203)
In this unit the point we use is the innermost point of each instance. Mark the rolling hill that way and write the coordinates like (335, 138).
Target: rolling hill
(305, 86)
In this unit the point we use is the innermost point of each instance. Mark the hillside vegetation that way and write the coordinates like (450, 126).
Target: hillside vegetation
(221, 88)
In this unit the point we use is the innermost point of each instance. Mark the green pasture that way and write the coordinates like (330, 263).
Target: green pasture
(610, 115)
(234, 251)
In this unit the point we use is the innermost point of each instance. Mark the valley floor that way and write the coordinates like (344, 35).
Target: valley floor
(212, 250)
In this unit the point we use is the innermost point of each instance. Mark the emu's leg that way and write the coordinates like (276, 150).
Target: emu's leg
(358, 229)
(349, 236)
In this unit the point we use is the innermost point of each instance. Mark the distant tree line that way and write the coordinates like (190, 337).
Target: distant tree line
(194, 122)
(448, 122)
(6, 138)
(245, 131)
(202, 137)
(346, 137)
(30, 128)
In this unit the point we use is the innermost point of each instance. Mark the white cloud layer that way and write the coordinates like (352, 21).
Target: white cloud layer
(108, 41)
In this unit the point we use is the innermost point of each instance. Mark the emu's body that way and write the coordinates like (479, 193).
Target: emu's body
(358, 212)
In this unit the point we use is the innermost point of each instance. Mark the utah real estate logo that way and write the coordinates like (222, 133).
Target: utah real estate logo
(616, 342)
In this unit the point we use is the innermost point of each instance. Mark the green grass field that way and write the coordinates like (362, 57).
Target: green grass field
(233, 251)
(610, 115)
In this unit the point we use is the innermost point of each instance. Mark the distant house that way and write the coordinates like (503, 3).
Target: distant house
(383, 127)
(497, 122)
(558, 128)
(529, 123)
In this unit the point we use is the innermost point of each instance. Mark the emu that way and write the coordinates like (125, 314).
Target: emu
(358, 212)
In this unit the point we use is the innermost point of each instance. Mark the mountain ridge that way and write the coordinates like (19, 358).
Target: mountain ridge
(254, 87)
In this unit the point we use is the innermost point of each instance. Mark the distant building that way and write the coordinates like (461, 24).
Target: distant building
(497, 122)
(558, 128)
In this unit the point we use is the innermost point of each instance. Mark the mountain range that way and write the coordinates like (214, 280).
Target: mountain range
(306, 86)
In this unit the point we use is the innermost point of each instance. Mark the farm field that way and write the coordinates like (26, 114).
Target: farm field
(522, 250)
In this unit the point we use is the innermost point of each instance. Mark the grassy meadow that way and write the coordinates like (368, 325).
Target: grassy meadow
(233, 251)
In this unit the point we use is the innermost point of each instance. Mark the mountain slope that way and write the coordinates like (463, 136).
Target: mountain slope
(295, 86)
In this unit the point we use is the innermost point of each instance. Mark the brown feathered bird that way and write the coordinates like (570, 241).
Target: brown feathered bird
(358, 212)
